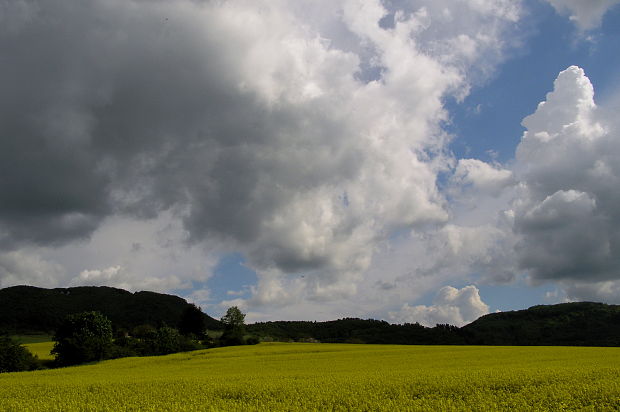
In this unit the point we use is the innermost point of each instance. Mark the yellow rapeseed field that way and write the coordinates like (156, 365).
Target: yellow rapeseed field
(306, 377)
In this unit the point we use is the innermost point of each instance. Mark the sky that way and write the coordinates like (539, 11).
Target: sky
(405, 160)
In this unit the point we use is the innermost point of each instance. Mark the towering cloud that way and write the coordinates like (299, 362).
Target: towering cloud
(566, 213)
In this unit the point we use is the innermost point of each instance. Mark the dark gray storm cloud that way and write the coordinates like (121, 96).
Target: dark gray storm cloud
(99, 102)
(132, 107)
(249, 127)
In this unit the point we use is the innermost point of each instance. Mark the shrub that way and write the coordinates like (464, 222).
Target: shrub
(83, 337)
(14, 357)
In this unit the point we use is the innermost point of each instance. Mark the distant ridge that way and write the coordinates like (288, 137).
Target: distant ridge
(566, 324)
(32, 309)
(570, 324)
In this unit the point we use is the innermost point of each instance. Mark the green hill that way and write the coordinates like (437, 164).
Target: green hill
(578, 324)
(32, 309)
(566, 324)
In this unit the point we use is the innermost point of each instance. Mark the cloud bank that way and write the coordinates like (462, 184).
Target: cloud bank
(299, 134)
(143, 140)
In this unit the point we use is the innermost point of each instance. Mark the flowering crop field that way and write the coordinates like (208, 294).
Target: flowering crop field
(309, 377)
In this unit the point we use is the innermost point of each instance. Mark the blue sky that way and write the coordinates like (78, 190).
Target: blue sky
(315, 159)
(552, 44)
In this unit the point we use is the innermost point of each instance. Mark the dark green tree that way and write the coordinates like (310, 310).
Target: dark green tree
(143, 331)
(83, 337)
(234, 327)
(192, 321)
(162, 341)
(14, 357)
(168, 340)
(234, 318)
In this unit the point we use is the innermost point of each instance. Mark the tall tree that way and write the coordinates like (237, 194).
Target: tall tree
(192, 321)
(234, 327)
(234, 318)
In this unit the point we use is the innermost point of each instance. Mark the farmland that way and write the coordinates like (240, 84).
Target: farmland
(330, 376)
(39, 345)
(41, 350)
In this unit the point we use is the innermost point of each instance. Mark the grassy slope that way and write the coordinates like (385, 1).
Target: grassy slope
(38, 344)
(41, 350)
(330, 376)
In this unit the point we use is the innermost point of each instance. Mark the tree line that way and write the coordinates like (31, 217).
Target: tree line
(566, 324)
(89, 337)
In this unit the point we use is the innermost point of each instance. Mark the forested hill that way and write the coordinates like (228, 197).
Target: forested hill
(579, 324)
(568, 324)
(30, 309)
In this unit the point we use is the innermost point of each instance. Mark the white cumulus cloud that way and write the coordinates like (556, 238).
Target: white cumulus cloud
(587, 14)
(482, 176)
(452, 306)
(28, 267)
(117, 276)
